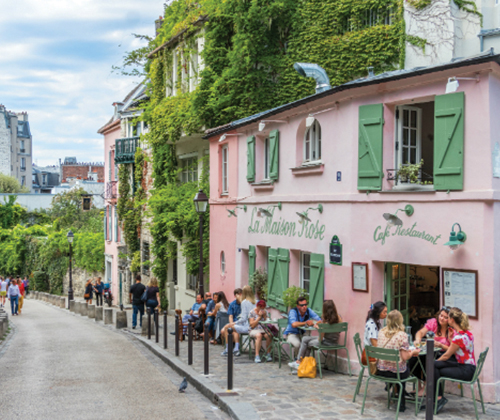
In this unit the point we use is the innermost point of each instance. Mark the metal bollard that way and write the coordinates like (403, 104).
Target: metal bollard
(149, 323)
(165, 342)
(205, 342)
(429, 370)
(157, 324)
(190, 343)
(229, 359)
(176, 335)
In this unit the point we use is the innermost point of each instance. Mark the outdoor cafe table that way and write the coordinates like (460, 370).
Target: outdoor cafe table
(423, 355)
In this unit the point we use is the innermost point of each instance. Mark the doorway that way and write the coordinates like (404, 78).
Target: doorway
(414, 291)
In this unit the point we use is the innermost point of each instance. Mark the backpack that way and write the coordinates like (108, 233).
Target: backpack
(198, 325)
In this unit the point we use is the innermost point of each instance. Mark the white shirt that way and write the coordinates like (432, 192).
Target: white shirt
(13, 291)
(3, 286)
(371, 331)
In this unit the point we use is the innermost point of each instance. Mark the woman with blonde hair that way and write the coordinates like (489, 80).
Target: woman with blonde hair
(241, 326)
(393, 336)
(153, 295)
(459, 361)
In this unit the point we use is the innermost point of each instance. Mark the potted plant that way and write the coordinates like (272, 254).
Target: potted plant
(408, 177)
(258, 282)
(291, 295)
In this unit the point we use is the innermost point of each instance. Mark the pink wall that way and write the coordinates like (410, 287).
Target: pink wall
(354, 216)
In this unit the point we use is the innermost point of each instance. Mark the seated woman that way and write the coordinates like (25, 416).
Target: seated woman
(459, 361)
(393, 336)
(377, 312)
(330, 316)
(256, 315)
(442, 335)
(241, 326)
(219, 313)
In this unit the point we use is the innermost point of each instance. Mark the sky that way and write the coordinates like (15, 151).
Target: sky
(56, 59)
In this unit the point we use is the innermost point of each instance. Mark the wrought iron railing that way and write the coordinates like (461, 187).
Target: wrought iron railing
(125, 149)
(111, 190)
(423, 177)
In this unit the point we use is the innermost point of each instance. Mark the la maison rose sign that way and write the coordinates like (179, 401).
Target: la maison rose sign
(380, 235)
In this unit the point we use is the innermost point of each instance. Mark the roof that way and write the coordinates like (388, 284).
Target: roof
(485, 57)
(198, 22)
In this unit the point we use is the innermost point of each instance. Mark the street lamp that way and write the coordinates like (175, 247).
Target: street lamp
(70, 237)
(201, 204)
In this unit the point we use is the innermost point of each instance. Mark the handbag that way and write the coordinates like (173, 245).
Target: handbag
(198, 325)
(307, 368)
(144, 296)
(86, 296)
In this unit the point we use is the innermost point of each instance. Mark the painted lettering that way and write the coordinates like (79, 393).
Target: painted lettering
(379, 236)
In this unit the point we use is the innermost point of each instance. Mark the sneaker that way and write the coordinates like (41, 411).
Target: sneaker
(224, 353)
(294, 365)
(133, 327)
(257, 359)
(237, 353)
(267, 358)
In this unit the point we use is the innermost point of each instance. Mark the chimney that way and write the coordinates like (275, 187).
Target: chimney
(158, 24)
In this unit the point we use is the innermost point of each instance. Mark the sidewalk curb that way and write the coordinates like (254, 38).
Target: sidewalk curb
(237, 410)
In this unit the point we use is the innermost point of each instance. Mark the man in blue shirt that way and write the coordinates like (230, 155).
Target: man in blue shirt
(299, 317)
(193, 313)
(233, 311)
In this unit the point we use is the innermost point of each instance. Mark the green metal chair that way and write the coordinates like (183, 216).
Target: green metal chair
(359, 351)
(279, 342)
(317, 350)
(475, 379)
(389, 355)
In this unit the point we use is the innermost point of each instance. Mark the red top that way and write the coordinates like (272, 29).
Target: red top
(21, 288)
(465, 354)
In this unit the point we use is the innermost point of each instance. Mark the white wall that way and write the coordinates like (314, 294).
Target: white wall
(31, 201)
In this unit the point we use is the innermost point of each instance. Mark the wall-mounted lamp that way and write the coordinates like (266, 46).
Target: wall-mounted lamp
(304, 214)
(226, 135)
(262, 124)
(265, 212)
(394, 220)
(310, 119)
(453, 84)
(233, 211)
(456, 238)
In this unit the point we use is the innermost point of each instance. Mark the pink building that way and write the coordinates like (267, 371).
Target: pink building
(313, 183)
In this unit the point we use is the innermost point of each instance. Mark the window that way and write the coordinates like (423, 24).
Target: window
(23, 180)
(174, 271)
(33, 179)
(23, 164)
(410, 134)
(44, 179)
(189, 169)
(110, 223)
(222, 263)
(23, 150)
(305, 271)
(267, 164)
(192, 281)
(145, 258)
(312, 143)
(225, 188)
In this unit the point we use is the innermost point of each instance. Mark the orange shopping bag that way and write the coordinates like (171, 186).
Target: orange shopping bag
(307, 368)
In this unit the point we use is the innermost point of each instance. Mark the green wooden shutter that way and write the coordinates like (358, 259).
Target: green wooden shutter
(317, 283)
(274, 142)
(251, 159)
(106, 224)
(251, 261)
(116, 225)
(282, 284)
(370, 145)
(449, 141)
(109, 160)
(272, 271)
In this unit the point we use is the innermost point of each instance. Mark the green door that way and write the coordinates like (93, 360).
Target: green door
(398, 288)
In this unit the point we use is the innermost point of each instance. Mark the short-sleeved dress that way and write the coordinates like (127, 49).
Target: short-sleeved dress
(398, 341)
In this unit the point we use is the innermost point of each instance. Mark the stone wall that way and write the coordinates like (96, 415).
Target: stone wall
(79, 277)
(5, 142)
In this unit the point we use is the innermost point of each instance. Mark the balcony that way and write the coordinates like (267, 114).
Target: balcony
(125, 149)
(111, 192)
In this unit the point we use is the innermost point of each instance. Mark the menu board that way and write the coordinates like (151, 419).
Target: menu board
(460, 290)
(360, 277)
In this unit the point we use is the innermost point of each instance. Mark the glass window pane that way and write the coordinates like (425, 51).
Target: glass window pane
(402, 271)
(405, 137)
(306, 286)
(405, 118)
(306, 273)
(395, 304)
(402, 302)
(402, 287)
(395, 269)
(413, 139)
(413, 155)
(395, 288)
(405, 156)
(413, 119)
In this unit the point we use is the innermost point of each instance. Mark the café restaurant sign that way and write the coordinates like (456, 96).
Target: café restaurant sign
(282, 227)
(380, 235)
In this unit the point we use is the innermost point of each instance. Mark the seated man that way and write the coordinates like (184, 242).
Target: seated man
(206, 301)
(299, 317)
(210, 322)
(193, 313)
(234, 310)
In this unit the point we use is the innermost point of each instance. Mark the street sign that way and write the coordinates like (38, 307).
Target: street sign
(335, 251)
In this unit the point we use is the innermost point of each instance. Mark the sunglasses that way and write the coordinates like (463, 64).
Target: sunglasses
(446, 309)
(304, 304)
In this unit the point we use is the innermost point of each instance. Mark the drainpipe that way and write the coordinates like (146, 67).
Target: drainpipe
(316, 72)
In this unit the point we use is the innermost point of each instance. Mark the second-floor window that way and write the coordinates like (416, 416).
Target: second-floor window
(23, 150)
(312, 143)
(225, 155)
(23, 164)
(189, 168)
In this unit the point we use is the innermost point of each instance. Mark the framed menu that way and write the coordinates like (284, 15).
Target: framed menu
(360, 277)
(460, 290)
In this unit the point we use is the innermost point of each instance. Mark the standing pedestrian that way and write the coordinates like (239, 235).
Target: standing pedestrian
(87, 295)
(20, 284)
(26, 283)
(13, 295)
(3, 291)
(136, 292)
(98, 289)
(153, 300)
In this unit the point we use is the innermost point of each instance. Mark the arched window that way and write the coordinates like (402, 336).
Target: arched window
(312, 143)
(222, 263)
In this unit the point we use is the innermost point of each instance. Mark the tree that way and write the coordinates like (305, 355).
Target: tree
(10, 185)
